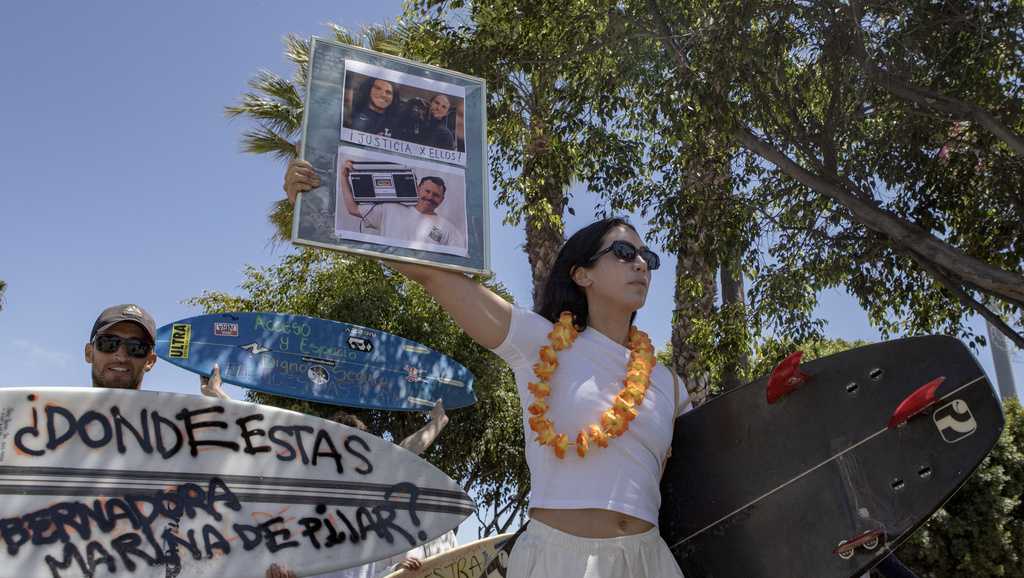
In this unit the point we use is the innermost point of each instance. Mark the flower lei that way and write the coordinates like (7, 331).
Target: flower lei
(614, 421)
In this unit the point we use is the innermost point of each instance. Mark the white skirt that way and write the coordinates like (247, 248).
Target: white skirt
(544, 552)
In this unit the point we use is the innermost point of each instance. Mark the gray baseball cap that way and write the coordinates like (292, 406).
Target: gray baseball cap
(125, 312)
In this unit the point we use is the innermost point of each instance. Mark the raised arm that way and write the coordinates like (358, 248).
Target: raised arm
(480, 312)
(211, 386)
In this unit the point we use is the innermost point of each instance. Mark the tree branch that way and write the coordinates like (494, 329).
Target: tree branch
(668, 35)
(927, 98)
(992, 280)
(965, 299)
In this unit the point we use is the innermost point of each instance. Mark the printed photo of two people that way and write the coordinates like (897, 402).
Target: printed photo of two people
(403, 113)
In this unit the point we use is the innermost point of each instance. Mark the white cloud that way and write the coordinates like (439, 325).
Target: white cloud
(37, 356)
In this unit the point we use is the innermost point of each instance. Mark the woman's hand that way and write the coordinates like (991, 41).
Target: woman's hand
(299, 177)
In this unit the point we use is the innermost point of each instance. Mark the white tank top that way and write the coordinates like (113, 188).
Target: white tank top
(625, 476)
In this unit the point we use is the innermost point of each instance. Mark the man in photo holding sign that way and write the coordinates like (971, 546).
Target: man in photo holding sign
(418, 223)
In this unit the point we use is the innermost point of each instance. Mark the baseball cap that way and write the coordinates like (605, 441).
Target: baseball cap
(124, 312)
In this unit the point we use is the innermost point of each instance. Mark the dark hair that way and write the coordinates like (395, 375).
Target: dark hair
(345, 418)
(437, 181)
(363, 99)
(561, 293)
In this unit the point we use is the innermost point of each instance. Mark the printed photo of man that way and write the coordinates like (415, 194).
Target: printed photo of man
(417, 223)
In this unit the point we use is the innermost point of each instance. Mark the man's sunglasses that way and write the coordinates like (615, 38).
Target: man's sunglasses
(625, 251)
(111, 343)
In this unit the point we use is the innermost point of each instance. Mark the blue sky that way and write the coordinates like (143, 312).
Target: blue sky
(122, 181)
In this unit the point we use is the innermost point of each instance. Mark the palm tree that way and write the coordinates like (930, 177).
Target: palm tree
(276, 103)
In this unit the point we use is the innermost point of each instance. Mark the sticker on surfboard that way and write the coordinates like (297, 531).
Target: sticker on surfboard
(954, 421)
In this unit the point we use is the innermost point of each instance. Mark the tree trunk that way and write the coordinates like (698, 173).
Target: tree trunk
(733, 296)
(543, 241)
(544, 232)
(694, 299)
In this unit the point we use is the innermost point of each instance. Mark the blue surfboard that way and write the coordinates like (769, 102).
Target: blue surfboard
(318, 360)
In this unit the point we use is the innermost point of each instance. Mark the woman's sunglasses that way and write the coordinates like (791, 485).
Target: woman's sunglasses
(111, 343)
(625, 251)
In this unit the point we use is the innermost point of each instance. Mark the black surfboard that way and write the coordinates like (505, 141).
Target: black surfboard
(826, 479)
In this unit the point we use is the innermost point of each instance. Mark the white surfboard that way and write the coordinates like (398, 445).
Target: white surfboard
(107, 483)
(470, 561)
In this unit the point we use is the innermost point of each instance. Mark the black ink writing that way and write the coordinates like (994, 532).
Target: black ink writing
(195, 428)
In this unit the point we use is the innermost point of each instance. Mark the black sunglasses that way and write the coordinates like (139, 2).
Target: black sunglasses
(625, 251)
(111, 343)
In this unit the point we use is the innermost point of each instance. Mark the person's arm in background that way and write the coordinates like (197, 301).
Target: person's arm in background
(211, 386)
(423, 438)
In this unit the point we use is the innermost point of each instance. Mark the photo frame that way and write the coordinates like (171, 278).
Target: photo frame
(401, 151)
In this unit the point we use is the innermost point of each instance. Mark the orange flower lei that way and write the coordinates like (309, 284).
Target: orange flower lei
(614, 421)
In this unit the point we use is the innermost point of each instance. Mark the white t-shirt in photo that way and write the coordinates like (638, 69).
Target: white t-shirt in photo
(404, 222)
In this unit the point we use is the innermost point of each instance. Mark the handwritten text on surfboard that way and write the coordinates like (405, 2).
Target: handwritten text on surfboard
(194, 428)
(120, 532)
(111, 548)
(358, 341)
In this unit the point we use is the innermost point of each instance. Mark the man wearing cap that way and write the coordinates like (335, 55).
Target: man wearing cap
(120, 347)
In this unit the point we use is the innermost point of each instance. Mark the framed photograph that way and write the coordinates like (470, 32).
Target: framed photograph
(401, 151)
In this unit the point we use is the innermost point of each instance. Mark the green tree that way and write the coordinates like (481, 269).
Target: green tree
(556, 115)
(275, 104)
(539, 147)
(482, 447)
(813, 145)
(859, 125)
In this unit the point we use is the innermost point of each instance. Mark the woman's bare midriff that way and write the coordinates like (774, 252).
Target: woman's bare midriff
(590, 522)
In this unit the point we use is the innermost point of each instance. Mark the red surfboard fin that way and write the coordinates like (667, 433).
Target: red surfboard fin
(922, 398)
(786, 377)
